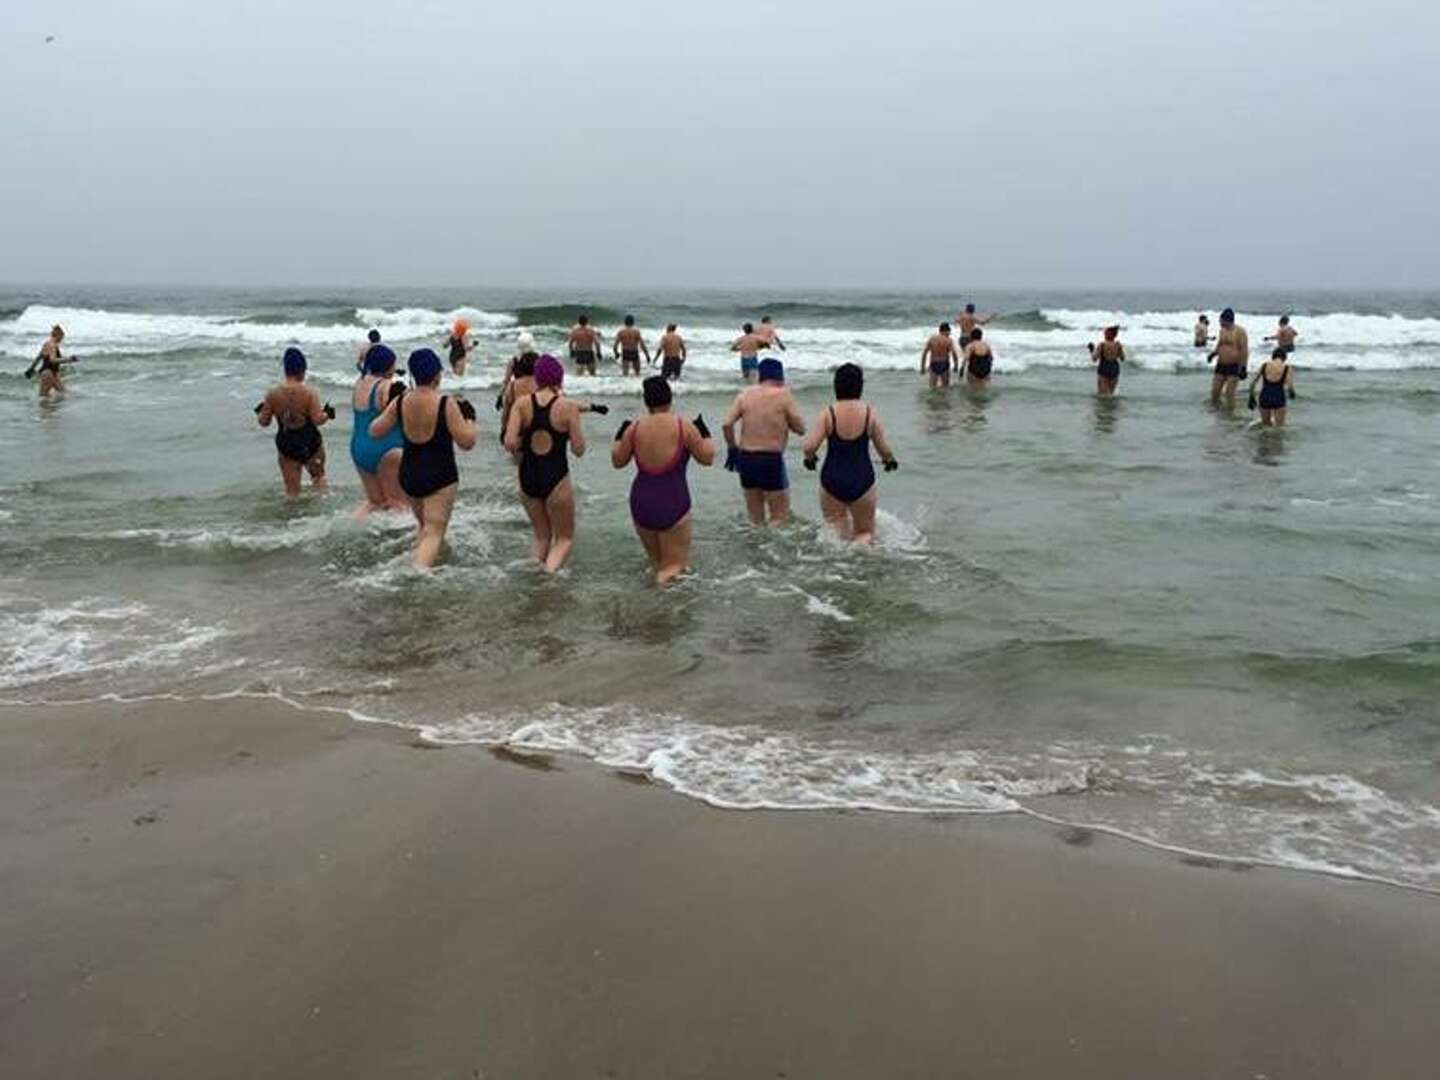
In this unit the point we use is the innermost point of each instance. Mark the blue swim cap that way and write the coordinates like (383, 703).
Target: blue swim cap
(424, 366)
(772, 370)
(379, 360)
(294, 362)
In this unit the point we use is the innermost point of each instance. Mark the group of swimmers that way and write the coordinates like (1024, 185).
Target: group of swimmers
(404, 439)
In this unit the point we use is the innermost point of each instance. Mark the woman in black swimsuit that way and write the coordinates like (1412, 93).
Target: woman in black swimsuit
(298, 416)
(1107, 357)
(1276, 379)
(433, 425)
(977, 360)
(540, 428)
(48, 364)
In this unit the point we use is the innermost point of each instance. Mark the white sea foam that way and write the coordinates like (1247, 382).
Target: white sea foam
(40, 643)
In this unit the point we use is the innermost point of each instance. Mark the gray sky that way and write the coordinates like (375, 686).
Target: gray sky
(801, 143)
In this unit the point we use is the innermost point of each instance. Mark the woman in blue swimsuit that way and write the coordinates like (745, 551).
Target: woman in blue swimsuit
(847, 482)
(377, 460)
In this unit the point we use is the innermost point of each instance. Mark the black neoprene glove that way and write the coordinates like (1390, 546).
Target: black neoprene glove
(466, 409)
(259, 407)
(1252, 403)
(1292, 393)
(600, 410)
(329, 411)
(891, 465)
(499, 402)
(811, 461)
(702, 427)
(397, 390)
(624, 427)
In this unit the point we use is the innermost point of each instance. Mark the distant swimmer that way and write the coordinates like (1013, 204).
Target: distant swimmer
(969, 321)
(544, 429)
(460, 346)
(1284, 336)
(363, 349)
(769, 334)
(748, 345)
(377, 460)
(1107, 357)
(766, 414)
(1232, 351)
(48, 362)
(1276, 379)
(584, 346)
(298, 416)
(978, 359)
(673, 352)
(629, 344)
(939, 356)
(432, 425)
(661, 444)
(848, 495)
(1202, 331)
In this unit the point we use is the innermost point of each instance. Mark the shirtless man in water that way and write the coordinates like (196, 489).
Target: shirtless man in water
(672, 352)
(1202, 331)
(584, 346)
(748, 345)
(767, 414)
(768, 334)
(629, 344)
(1232, 351)
(1284, 336)
(940, 357)
(968, 321)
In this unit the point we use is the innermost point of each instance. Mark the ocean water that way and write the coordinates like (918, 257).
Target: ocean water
(1138, 614)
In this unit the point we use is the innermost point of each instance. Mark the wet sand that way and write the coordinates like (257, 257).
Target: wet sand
(237, 889)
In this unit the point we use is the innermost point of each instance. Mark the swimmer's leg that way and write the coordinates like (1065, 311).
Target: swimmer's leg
(1216, 385)
(1230, 382)
(392, 495)
(434, 513)
(862, 514)
(650, 541)
(290, 476)
(837, 514)
(373, 500)
(316, 468)
(540, 522)
(755, 505)
(778, 504)
(1279, 415)
(674, 551)
(560, 508)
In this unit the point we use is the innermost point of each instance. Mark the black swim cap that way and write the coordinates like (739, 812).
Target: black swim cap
(657, 392)
(524, 366)
(749, 328)
(1228, 315)
(976, 334)
(849, 382)
(294, 362)
(374, 337)
(629, 320)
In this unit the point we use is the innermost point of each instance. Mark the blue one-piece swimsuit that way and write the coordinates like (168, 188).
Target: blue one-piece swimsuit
(365, 451)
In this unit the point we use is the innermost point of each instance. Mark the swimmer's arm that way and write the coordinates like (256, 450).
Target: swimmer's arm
(878, 437)
(577, 434)
(702, 449)
(615, 347)
(461, 430)
(266, 413)
(646, 350)
(1244, 347)
(383, 424)
(735, 345)
(924, 357)
(623, 448)
(318, 416)
(812, 442)
(793, 417)
(727, 426)
(684, 353)
(512, 429)
(1121, 354)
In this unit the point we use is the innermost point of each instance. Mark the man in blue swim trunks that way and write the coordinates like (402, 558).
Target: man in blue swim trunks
(767, 414)
(748, 345)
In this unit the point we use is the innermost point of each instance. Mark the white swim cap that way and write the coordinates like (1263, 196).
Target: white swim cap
(525, 342)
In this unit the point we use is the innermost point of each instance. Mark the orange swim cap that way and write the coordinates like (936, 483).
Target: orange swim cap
(461, 328)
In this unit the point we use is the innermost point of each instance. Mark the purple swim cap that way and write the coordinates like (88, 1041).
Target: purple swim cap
(424, 366)
(548, 371)
(772, 370)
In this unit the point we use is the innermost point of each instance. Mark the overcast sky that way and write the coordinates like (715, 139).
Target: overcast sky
(894, 143)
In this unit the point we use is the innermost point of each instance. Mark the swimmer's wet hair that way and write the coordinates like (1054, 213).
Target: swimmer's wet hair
(976, 334)
(1279, 354)
(1284, 320)
(629, 320)
(749, 328)
(524, 366)
(670, 329)
(849, 382)
(944, 328)
(583, 319)
(657, 392)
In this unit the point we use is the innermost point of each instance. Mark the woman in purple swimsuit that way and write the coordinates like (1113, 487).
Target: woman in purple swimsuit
(661, 445)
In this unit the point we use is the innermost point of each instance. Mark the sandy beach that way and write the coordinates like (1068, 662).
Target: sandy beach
(239, 888)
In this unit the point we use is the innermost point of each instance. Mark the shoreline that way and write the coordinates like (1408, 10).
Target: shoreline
(239, 887)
